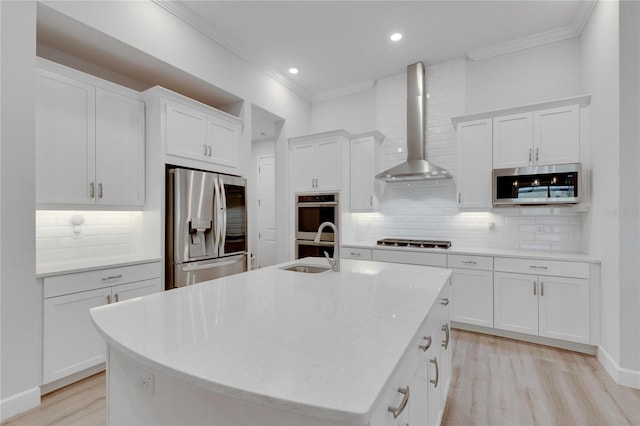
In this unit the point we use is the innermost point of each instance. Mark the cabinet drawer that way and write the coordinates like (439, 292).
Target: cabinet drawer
(100, 278)
(484, 263)
(415, 258)
(355, 253)
(542, 267)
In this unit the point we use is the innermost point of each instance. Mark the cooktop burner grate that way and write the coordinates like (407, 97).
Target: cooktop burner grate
(400, 242)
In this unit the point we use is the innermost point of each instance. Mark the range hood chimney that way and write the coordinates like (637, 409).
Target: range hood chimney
(416, 167)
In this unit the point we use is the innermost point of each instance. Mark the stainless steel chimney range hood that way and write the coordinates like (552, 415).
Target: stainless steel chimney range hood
(416, 167)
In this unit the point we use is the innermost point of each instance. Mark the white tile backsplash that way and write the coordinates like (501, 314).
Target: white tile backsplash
(428, 209)
(102, 234)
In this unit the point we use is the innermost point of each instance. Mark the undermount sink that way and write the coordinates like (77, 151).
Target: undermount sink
(309, 269)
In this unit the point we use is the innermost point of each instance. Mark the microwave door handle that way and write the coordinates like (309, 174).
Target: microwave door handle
(223, 227)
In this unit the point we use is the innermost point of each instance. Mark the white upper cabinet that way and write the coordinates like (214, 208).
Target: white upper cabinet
(89, 140)
(365, 161)
(316, 161)
(196, 135)
(474, 164)
(543, 137)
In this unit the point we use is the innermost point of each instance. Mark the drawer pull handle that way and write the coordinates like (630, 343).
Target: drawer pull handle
(427, 345)
(434, 360)
(445, 342)
(111, 277)
(470, 262)
(354, 253)
(405, 399)
(538, 267)
(444, 301)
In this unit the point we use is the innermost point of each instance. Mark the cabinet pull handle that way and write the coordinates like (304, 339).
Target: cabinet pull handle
(444, 301)
(445, 342)
(117, 299)
(538, 267)
(108, 299)
(534, 288)
(355, 253)
(537, 156)
(405, 399)
(371, 200)
(100, 190)
(470, 262)
(111, 277)
(530, 152)
(92, 190)
(205, 150)
(434, 360)
(427, 345)
(209, 148)
(541, 288)
(459, 197)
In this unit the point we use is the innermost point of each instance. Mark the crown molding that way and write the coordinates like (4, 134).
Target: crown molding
(344, 91)
(585, 8)
(184, 13)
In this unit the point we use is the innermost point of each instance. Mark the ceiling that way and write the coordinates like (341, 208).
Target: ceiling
(344, 46)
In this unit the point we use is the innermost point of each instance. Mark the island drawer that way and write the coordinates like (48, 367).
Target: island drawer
(356, 253)
(484, 263)
(542, 267)
(90, 280)
(415, 258)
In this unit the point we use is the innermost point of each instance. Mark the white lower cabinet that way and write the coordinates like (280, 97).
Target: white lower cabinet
(553, 307)
(71, 343)
(472, 289)
(417, 392)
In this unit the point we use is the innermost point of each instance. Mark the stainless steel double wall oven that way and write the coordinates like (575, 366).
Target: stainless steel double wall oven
(311, 211)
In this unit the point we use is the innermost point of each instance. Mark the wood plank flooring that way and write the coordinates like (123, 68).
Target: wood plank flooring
(495, 381)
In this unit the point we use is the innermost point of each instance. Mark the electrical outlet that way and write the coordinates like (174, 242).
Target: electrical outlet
(145, 381)
(77, 233)
(539, 229)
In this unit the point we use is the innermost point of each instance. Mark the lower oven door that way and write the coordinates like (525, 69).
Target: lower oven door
(307, 248)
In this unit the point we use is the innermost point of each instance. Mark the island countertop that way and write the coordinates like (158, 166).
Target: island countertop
(319, 344)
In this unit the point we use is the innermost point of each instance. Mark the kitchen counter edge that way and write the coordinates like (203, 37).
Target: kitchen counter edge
(51, 269)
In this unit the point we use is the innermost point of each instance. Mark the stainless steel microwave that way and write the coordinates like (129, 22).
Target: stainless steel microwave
(552, 184)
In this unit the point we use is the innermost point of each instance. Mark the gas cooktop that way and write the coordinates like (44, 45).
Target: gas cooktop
(399, 242)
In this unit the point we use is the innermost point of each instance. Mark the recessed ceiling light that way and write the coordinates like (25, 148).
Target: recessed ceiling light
(293, 70)
(395, 37)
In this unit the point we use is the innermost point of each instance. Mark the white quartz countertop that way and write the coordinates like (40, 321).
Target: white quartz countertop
(529, 254)
(49, 269)
(318, 344)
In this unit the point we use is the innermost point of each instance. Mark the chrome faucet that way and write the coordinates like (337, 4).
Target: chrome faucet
(335, 261)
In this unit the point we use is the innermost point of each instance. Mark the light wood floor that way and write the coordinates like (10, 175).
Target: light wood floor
(495, 382)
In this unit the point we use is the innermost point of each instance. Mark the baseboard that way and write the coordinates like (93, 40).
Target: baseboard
(19, 403)
(622, 376)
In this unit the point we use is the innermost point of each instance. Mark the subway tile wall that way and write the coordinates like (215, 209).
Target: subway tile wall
(428, 209)
(110, 233)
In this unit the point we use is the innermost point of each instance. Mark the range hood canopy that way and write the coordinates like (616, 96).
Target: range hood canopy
(416, 167)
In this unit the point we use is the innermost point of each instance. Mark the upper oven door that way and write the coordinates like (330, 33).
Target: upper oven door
(554, 184)
(313, 210)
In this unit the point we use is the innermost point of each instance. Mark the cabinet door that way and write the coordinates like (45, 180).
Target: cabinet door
(185, 132)
(472, 297)
(515, 302)
(556, 135)
(564, 308)
(363, 170)
(223, 138)
(474, 164)
(70, 341)
(328, 166)
(65, 140)
(119, 149)
(303, 167)
(418, 403)
(513, 140)
(136, 289)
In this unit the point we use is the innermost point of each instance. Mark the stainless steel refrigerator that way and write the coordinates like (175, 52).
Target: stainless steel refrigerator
(206, 235)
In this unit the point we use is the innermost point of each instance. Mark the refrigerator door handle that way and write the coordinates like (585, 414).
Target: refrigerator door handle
(209, 265)
(223, 210)
(216, 217)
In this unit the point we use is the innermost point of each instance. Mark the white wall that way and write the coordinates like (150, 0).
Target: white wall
(21, 294)
(550, 71)
(600, 52)
(356, 113)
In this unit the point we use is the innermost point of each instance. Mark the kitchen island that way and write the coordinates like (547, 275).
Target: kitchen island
(366, 345)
